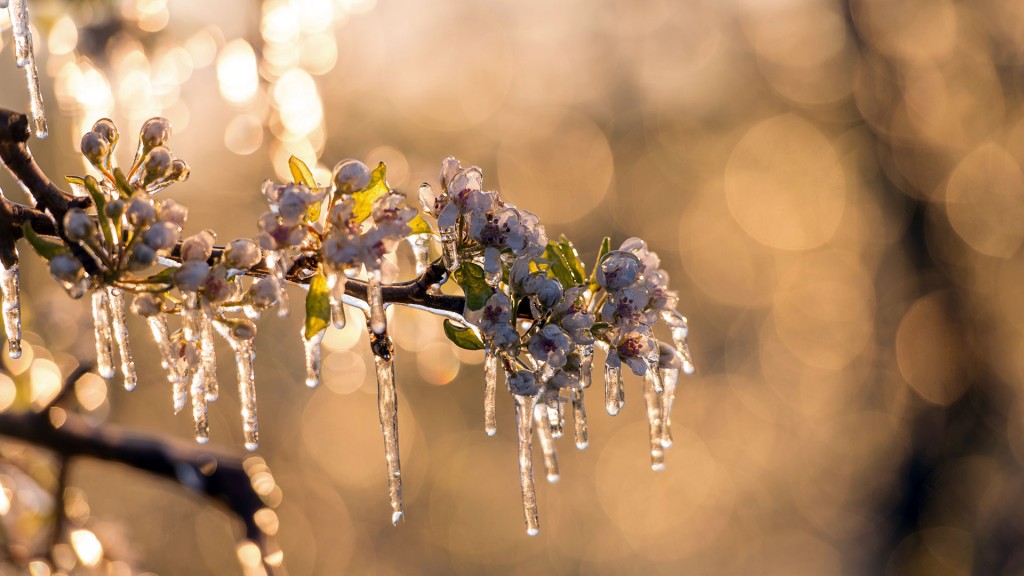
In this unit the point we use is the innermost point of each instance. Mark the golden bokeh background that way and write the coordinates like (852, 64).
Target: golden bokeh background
(836, 189)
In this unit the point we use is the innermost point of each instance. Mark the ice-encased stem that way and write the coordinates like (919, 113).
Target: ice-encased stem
(336, 293)
(524, 432)
(579, 417)
(679, 328)
(420, 244)
(654, 421)
(162, 337)
(490, 390)
(449, 247)
(387, 411)
(312, 349)
(541, 413)
(10, 285)
(208, 356)
(115, 301)
(613, 396)
(104, 335)
(669, 378)
(375, 297)
(276, 261)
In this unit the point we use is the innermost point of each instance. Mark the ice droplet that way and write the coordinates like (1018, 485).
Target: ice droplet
(162, 337)
(524, 432)
(10, 284)
(420, 244)
(115, 301)
(387, 410)
(25, 58)
(378, 321)
(208, 356)
(679, 328)
(336, 292)
(312, 347)
(541, 413)
(104, 335)
(449, 247)
(613, 396)
(669, 378)
(579, 417)
(490, 390)
(654, 420)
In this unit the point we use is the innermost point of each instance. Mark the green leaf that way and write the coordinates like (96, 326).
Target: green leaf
(419, 226)
(606, 247)
(77, 184)
(462, 336)
(302, 175)
(43, 246)
(93, 187)
(318, 306)
(364, 198)
(557, 265)
(471, 278)
(165, 276)
(123, 187)
(572, 258)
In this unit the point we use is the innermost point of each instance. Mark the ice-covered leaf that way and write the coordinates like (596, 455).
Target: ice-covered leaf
(318, 306)
(302, 175)
(43, 246)
(572, 258)
(123, 187)
(77, 185)
(557, 266)
(473, 282)
(462, 337)
(377, 187)
(93, 188)
(606, 247)
(419, 226)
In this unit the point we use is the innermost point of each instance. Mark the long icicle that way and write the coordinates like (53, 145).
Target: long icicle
(612, 389)
(104, 335)
(579, 417)
(162, 337)
(547, 443)
(10, 284)
(490, 390)
(669, 378)
(524, 432)
(115, 302)
(208, 356)
(312, 351)
(199, 406)
(25, 58)
(185, 353)
(336, 293)
(654, 420)
(387, 410)
(245, 353)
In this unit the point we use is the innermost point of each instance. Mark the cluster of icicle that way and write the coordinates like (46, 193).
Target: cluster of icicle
(24, 57)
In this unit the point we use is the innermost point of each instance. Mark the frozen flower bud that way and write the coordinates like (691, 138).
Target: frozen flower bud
(431, 201)
(216, 287)
(263, 293)
(293, 202)
(95, 148)
(146, 305)
(191, 275)
(391, 209)
(161, 235)
(78, 225)
(242, 254)
(271, 191)
(143, 256)
(618, 270)
(449, 168)
(106, 130)
(114, 209)
(350, 176)
(668, 357)
(243, 329)
(199, 246)
(497, 312)
(179, 171)
(140, 211)
(157, 164)
(65, 268)
(523, 383)
(155, 132)
(171, 211)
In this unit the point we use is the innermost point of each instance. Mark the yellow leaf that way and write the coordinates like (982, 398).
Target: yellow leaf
(364, 199)
(419, 226)
(302, 175)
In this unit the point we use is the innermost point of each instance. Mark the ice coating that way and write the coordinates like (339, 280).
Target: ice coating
(10, 285)
(524, 406)
(613, 397)
(312, 352)
(547, 442)
(115, 302)
(490, 390)
(104, 335)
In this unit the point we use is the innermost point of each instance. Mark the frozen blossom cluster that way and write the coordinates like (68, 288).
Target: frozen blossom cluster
(526, 300)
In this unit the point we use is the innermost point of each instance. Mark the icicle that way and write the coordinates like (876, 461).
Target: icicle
(555, 419)
(104, 335)
(387, 410)
(449, 247)
(579, 417)
(652, 372)
(669, 377)
(161, 335)
(654, 420)
(490, 390)
(375, 298)
(244, 355)
(547, 442)
(524, 431)
(679, 328)
(24, 58)
(10, 284)
(613, 396)
(199, 407)
(586, 352)
(336, 292)
(312, 347)
(115, 302)
(208, 356)
(421, 251)
(279, 268)
(185, 363)
(190, 319)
